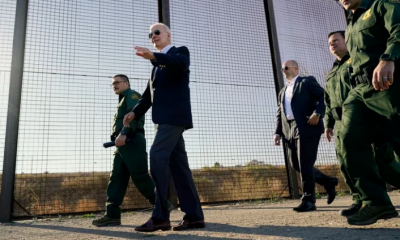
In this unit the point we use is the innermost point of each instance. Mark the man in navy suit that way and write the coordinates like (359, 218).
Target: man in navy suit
(298, 121)
(168, 93)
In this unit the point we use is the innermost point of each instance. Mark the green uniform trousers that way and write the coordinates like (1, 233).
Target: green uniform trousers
(130, 161)
(388, 168)
(396, 146)
(364, 112)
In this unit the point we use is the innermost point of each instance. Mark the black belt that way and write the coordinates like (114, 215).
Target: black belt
(129, 135)
(367, 74)
(366, 77)
(360, 79)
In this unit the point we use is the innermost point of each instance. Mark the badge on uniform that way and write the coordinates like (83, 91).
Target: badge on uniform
(161, 66)
(367, 14)
(135, 96)
(349, 61)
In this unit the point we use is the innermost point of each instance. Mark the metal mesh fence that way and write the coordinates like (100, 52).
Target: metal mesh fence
(304, 37)
(73, 48)
(7, 15)
(233, 99)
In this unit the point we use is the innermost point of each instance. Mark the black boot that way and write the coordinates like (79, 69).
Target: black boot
(305, 207)
(331, 190)
(353, 209)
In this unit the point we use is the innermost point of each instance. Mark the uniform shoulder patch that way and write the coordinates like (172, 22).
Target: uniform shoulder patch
(367, 14)
(394, 1)
(135, 96)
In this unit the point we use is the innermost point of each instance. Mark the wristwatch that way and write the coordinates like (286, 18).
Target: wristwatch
(122, 132)
(385, 57)
(317, 114)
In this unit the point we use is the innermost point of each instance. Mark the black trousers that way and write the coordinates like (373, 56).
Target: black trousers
(168, 152)
(302, 153)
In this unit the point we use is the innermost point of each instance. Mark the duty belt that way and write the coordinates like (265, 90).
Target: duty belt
(360, 79)
(366, 77)
(129, 135)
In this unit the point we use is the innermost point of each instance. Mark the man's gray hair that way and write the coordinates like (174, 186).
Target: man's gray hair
(162, 24)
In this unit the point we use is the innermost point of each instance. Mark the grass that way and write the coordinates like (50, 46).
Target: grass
(318, 195)
(342, 193)
(63, 193)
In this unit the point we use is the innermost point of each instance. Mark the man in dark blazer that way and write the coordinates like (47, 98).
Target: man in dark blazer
(299, 122)
(168, 93)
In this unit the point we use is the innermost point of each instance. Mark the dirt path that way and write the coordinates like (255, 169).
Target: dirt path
(237, 222)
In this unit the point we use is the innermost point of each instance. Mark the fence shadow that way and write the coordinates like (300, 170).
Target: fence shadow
(298, 232)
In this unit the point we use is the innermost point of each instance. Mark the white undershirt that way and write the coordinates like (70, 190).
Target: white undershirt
(288, 99)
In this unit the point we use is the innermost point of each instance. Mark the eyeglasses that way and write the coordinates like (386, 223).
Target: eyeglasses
(116, 83)
(287, 67)
(156, 32)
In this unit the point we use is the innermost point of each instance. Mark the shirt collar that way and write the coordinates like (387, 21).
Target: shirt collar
(293, 80)
(365, 4)
(124, 93)
(166, 49)
(344, 59)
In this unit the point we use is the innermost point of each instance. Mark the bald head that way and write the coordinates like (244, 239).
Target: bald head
(290, 69)
(291, 63)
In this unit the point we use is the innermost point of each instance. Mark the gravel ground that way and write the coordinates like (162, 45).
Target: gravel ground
(257, 220)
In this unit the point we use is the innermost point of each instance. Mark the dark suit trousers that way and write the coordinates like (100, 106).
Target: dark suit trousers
(168, 152)
(302, 153)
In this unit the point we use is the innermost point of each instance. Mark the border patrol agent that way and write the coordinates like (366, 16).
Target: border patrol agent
(373, 42)
(336, 91)
(130, 158)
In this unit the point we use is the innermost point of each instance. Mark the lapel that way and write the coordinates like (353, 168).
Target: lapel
(283, 95)
(296, 85)
(282, 98)
(154, 72)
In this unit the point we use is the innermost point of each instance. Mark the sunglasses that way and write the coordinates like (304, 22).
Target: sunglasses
(286, 68)
(155, 32)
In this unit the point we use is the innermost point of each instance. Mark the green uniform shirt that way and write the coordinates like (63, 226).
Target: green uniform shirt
(337, 88)
(373, 33)
(127, 101)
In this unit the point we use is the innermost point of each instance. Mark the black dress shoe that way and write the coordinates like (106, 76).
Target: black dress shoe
(331, 190)
(185, 225)
(305, 207)
(154, 225)
(353, 209)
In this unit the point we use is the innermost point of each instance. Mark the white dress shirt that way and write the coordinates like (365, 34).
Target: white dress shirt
(166, 49)
(288, 99)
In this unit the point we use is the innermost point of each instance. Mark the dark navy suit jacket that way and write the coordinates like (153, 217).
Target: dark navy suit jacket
(168, 90)
(308, 98)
